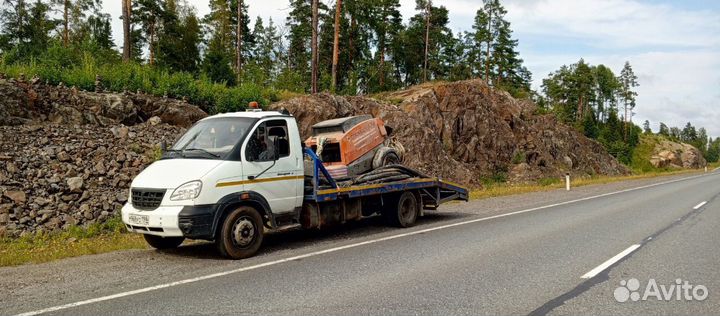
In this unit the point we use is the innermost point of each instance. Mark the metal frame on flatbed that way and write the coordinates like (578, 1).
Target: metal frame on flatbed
(435, 191)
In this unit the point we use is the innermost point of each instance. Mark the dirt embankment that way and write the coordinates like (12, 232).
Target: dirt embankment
(467, 132)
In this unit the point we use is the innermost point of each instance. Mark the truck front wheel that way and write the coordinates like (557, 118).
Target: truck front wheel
(241, 233)
(402, 211)
(158, 242)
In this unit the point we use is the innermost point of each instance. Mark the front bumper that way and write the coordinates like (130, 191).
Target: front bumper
(162, 221)
(195, 222)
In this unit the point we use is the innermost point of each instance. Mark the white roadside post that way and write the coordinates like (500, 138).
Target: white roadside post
(705, 169)
(567, 181)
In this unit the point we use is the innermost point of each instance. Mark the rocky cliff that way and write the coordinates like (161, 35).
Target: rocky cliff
(466, 132)
(669, 154)
(67, 157)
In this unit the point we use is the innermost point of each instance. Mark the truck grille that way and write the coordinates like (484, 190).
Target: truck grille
(148, 199)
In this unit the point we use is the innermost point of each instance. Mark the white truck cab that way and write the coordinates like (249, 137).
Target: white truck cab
(249, 158)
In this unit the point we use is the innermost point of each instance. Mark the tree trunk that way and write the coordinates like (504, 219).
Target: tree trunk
(66, 32)
(382, 63)
(580, 109)
(314, 48)
(151, 60)
(487, 49)
(336, 45)
(126, 5)
(238, 47)
(625, 121)
(427, 38)
(351, 40)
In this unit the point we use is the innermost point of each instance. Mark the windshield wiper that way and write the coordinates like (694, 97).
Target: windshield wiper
(167, 152)
(203, 151)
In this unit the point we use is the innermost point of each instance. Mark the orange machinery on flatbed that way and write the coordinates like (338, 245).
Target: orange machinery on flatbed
(353, 145)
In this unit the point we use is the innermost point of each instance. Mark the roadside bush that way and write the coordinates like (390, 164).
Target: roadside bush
(61, 65)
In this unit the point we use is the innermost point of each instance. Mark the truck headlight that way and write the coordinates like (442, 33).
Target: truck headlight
(187, 191)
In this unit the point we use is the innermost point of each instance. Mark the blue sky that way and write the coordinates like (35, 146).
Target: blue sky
(673, 45)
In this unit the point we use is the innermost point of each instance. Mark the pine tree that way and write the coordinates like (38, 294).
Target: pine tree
(646, 127)
(413, 44)
(127, 29)
(73, 17)
(149, 14)
(263, 66)
(605, 85)
(179, 38)
(15, 16)
(100, 31)
(386, 23)
(426, 7)
(26, 27)
(664, 130)
(314, 47)
(495, 14)
(299, 23)
(478, 38)
(243, 39)
(628, 81)
(336, 45)
(219, 21)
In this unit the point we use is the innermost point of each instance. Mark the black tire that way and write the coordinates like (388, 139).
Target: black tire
(401, 211)
(391, 158)
(241, 233)
(158, 242)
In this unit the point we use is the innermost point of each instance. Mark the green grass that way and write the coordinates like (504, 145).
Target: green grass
(549, 184)
(76, 241)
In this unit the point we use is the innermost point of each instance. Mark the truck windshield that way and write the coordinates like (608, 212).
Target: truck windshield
(211, 139)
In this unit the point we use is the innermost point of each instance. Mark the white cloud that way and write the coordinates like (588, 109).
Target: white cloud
(620, 23)
(674, 51)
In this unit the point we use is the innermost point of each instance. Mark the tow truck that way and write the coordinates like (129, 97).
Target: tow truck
(231, 178)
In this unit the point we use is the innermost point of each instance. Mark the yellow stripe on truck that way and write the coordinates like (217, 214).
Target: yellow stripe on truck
(234, 183)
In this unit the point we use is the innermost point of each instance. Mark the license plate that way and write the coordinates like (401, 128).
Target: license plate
(141, 220)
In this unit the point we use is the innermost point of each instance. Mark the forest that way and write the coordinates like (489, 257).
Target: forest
(225, 59)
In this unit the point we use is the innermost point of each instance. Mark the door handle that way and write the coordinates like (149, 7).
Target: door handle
(284, 173)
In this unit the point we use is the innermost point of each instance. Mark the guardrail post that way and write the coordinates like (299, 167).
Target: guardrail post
(567, 181)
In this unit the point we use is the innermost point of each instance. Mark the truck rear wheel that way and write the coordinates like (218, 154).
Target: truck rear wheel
(241, 234)
(402, 211)
(158, 242)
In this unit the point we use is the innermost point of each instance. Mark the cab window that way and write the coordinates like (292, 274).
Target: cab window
(266, 139)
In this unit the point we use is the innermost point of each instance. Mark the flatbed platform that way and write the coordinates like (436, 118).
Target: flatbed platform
(435, 191)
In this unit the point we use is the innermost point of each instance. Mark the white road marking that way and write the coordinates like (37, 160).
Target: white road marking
(699, 205)
(610, 262)
(335, 249)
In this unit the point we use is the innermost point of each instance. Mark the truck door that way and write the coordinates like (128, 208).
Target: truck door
(275, 180)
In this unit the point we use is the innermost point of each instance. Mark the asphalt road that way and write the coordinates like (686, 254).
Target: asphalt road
(521, 258)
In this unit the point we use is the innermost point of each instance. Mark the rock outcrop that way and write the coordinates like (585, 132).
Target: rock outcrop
(466, 132)
(55, 176)
(669, 154)
(26, 102)
(67, 157)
